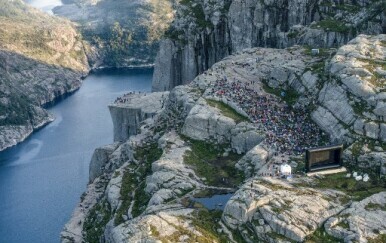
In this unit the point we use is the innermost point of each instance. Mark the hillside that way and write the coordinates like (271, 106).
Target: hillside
(224, 135)
(124, 33)
(41, 58)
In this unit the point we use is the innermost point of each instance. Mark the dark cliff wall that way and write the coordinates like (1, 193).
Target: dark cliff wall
(204, 33)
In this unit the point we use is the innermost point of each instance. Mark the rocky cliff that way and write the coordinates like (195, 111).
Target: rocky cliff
(41, 58)
(205, 32)
(226, 133)
(122, 33)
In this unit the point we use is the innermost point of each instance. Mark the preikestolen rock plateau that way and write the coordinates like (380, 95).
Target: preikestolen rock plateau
(226, 133)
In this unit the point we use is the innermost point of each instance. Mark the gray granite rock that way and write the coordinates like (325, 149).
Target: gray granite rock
(128, 115)
(99, 159)
(365, 219)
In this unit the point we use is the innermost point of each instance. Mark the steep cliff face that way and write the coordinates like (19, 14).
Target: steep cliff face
(128, 113)
(205, 32)
(41, 58)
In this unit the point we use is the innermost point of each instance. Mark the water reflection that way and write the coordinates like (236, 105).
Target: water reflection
(42, 178)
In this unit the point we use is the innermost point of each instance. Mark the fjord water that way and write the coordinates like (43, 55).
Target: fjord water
(42, 179)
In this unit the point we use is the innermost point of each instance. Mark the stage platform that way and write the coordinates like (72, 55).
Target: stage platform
(327, 172)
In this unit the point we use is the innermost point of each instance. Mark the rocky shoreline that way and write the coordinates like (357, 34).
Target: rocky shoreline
(12, 135)
(203, 138)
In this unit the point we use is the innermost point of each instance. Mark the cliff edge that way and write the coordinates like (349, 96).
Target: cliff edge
(204, 167)
(203, 33)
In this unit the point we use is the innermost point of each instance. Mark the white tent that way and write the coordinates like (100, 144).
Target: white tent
(285, 169)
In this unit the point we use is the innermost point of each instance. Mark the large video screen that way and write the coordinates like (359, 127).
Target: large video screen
(324, 158)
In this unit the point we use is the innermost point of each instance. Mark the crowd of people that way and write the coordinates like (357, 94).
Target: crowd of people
(124, 98)
(288, 130)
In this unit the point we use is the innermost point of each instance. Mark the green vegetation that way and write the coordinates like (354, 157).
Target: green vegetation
(333, 25)
(204, 221)
(343, 224)
(371, 143)
(134, 182)
(380, 239)
(31, 33)
(198, 13)
(18, 111)
(376, 79)
(207, 222)
(375, 206)
(174, 34)
(208, 161)
(358, 190)
(320, 235)
(301, 164)
(290, 94)
(277, 236)
(118, 42)
(360, 107)
(96, 221)
(343, 7)
(227, 111)
(293, 34)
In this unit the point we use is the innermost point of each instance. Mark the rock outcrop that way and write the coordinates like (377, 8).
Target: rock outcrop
(361, 221)
(204, 33)
(272, 207)
(227, 132)
(352, 96)
(41, 58)
(205, 123)
(134, 108)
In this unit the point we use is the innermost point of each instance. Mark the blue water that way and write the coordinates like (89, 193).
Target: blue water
(42, 178)
(214, 202)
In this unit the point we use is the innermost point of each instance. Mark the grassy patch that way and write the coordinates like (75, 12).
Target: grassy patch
(280, 237)
(371, 64)
(281, 209)
(333, 25)
(141, 199)
(358, 190)
(208, 162)
(320, 235)
(205, 222)
(375, 206)
(290, 95)
(360, 107)
(227, 111)
(96, 221)
(293, 34)
(371, 144)
(133, 182)
(343, 224)
(154, 231)
(380, 239)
